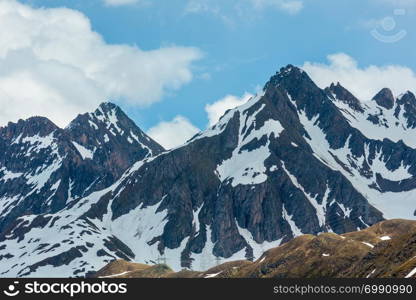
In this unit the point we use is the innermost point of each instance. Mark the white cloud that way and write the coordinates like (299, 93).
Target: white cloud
(365, 82)
(53, 64)
(197, 6)
(226, 10)
(208, 7)
(217, 109)
(401, 3)
(289, 6)
(173, 133)
(120, 2)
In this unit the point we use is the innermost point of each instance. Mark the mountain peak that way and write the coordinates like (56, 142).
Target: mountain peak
(107, 110)
(32, 126)
(108, 106)
(289, 68)
(335, 86)
(289, 73)
(35, 121)
(385, 98)
(109, 128)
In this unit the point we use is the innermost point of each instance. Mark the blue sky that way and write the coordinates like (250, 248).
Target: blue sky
(241, 43)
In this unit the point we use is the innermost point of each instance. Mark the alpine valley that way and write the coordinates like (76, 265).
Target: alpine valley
(294, 160)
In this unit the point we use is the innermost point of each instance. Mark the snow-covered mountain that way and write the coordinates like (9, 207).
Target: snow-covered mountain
(44, 168)
(294, 159)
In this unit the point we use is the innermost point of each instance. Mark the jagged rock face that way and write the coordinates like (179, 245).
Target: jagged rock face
(406, 107)
(43, 167)
(385, 98)
(295, 159)
(345, 96)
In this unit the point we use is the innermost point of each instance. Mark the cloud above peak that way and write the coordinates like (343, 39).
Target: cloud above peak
(53, 64)
(363, 82)
(176, 132)
(171, 134)
(217, 109)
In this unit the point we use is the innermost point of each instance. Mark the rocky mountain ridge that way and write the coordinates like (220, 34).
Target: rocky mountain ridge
(293, 160)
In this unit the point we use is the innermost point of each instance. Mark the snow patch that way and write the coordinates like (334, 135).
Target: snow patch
(410, 275)
(368, 244)
(295, 229)
(84, 152)
(9, 175)
(369, 275)
(212, 275)
(115, 275)
(247, 167)
(258, 249)
(320, 208)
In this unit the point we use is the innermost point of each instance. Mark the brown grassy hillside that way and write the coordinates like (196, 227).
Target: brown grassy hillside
(387, 249)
